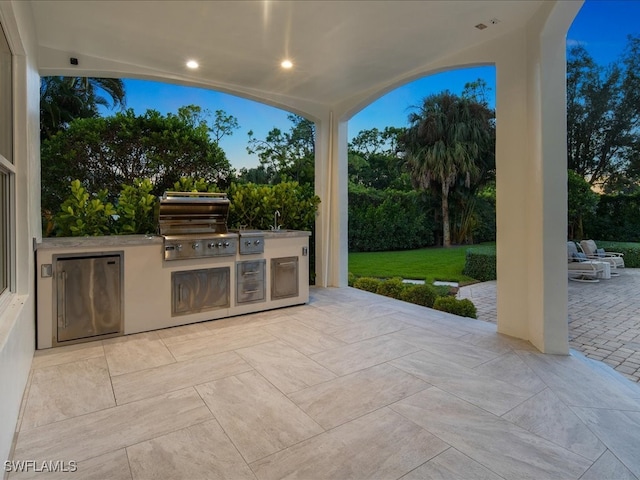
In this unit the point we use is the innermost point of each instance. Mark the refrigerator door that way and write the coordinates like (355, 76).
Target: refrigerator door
(89, 297)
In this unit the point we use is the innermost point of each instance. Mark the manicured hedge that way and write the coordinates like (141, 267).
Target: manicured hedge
(367, 283)
(631, 251)
(480, 263)
(392, 287)
(424, 294)
(381, 220)
(463, 308)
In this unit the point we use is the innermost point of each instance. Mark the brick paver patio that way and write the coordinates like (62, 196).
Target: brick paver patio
(604, 318)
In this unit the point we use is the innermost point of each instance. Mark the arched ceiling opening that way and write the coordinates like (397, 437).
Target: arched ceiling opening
(339, 49)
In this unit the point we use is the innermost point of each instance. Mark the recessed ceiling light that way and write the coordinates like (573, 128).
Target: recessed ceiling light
(286, 64)
(193, 64)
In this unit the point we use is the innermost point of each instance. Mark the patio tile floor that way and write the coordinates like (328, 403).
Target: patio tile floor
(350, 386)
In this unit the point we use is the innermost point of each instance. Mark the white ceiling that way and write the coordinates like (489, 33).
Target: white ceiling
(339, 48)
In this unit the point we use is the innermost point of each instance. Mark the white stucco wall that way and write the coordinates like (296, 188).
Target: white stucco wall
(17, 318)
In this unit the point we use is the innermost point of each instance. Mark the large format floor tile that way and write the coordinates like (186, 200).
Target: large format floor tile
(67, 390)
(100, 432)
(176, 376)
(618, 430)
(499, 445)
(223, 341)
(449, 465)
(367, 328)
(608, 467)
(361, 355)
(546, 416)
(198, 452)
(379, 445)
(345, 398)
(577, 384)
(67, 354)
(258, 418)
(303, 338)
(486, 392)
(136, 352)
(284, 366)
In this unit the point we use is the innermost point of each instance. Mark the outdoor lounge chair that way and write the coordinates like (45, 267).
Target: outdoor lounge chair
(580, 268)
(592, 251)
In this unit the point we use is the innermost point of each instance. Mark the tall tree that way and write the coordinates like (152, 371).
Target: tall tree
(287, 154)
(63, 99)
(603, 114)
(444, 144)
(106, 152)
(374, 161)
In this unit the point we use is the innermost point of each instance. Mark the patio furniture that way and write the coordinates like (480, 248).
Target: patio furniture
(582, 269)
(592, 251)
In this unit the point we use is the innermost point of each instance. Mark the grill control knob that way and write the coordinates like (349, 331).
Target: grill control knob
(211, 245)
(257, 242)
(226, 244)
(247, 242)
(219, 245)
(179, 247)
(195, 246)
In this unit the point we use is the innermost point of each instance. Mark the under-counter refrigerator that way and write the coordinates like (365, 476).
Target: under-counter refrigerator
(88, 296)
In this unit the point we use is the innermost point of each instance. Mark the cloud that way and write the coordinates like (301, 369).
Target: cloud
(571, 42)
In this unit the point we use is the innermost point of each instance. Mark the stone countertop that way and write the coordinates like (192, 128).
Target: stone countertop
(110, 241)
(113, 241)
(284, 233)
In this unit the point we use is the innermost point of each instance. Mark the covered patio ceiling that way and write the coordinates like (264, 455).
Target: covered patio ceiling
(344, 52)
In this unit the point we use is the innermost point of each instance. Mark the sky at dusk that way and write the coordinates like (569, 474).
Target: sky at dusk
(602, 26)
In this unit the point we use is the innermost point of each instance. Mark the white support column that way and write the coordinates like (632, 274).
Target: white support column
(331, 173)
(531, 176)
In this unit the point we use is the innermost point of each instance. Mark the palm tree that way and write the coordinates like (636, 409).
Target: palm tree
(443, 144)
(63, 99)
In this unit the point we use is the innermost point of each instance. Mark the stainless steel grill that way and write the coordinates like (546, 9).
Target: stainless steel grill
(194, 225)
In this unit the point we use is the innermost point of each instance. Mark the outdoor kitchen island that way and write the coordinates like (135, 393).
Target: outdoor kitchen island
(124, 285)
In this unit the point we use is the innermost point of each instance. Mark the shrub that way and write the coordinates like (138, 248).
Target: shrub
(424, 295)
(189, 184)
(392, 287)
(480, 263)
(367, 283)
(351, 278)
(83, 214)
(631, 251)
(616, 219)
(382, 220)
(135, 208)
(463, 308)
(254, 205)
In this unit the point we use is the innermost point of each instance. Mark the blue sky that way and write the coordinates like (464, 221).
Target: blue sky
(601, 26)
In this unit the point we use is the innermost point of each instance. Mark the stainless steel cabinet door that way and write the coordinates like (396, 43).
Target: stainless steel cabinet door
(89, 297)
(284, 277)
(200, 290)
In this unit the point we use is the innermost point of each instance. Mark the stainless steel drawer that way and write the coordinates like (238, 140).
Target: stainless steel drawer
(250, 281)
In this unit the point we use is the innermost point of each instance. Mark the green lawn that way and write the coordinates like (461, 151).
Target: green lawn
(424, 264)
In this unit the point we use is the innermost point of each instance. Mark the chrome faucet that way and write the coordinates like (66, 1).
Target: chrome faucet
(276, 216)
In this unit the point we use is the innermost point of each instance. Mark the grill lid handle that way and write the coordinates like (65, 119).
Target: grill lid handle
(194, 194)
